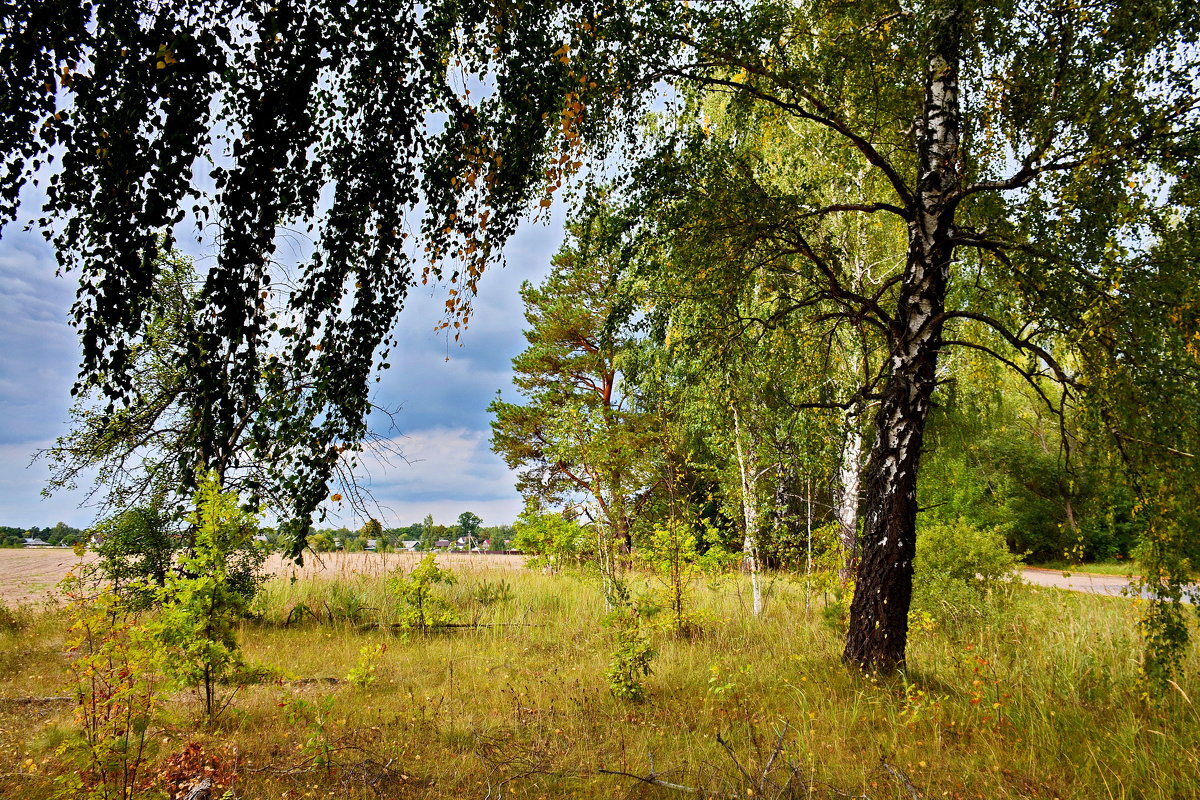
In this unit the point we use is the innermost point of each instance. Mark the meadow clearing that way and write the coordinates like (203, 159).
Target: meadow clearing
(1036, 697)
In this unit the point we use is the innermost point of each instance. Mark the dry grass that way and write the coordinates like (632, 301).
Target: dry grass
(1039, 700)
(30, 576)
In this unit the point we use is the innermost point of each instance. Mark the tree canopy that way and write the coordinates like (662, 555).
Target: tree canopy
(403, 141)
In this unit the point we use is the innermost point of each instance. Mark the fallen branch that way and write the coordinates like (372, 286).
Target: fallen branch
(900, 776)
(428, 629)
(653, 780)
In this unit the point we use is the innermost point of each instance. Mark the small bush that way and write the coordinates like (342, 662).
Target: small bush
(550, 540)
(631, 658)
(489, 593)
(960, 570)
(13, 620)
(422, 608)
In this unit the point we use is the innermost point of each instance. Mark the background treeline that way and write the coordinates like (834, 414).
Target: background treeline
(59, 534)
(351, 539)
(426, 533)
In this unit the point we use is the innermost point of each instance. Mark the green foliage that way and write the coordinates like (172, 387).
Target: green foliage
(115, 675)
(422, 607)
(372, 529)
(1000, 458)
(671, 553)
(362, 675)
(136, 549)
(321, 542)
(317, 719)
(490, 593)
(346, 603)
(632, 654)
(960, 570)
(552, 540)
(201, 604)
(1166, 579)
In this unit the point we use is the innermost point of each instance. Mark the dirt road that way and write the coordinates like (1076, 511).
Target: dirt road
(1076, 581)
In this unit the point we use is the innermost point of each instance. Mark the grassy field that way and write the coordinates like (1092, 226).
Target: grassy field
(1037, 699)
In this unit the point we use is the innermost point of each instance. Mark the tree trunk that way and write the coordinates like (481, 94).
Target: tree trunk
(845, 501)
(879, 613)
(750, 515)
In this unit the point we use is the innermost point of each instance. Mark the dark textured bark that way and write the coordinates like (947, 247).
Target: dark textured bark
(879, 613)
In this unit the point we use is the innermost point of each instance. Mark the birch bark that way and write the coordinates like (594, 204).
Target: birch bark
(878, 631)
(750, 515)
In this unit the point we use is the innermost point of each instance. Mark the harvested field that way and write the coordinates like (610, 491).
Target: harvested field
(30, 576)
(346, 565)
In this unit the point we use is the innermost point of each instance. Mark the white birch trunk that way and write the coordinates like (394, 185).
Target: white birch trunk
(845, 506)
(750, 514)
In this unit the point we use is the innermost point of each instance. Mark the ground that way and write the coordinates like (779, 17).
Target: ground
(30, 576)
(1036, 693)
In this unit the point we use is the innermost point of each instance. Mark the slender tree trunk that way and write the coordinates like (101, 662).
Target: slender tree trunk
(808, 521)
(845, 507)
(750, 516)
(879, 613)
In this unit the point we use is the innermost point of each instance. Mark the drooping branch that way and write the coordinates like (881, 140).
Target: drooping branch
(1029, 377)
(1016, 341)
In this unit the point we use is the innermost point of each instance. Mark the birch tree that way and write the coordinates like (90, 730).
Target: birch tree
(1031, 149)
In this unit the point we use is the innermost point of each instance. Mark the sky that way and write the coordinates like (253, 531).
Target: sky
(442, 389)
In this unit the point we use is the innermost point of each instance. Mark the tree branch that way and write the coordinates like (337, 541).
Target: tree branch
(1015, 341)
(1028, 376)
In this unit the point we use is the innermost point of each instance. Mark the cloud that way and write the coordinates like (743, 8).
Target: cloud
(39, 346)
(448, 471)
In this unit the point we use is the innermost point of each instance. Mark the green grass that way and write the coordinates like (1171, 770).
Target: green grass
(1038, 697)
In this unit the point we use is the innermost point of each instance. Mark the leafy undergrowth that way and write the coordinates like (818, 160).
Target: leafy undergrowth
(1037, 698)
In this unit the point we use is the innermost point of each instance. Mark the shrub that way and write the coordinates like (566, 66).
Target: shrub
(671, 554)
(631, 658)
(114, 675)
(960, 569)
(422, 607)
(550, 539)
(201, 601)
(140, 548)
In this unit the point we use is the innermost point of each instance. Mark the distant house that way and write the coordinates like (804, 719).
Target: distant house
(410, 544)
(337, 543)
(36, 542)
(442, 544)
(372, 545)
